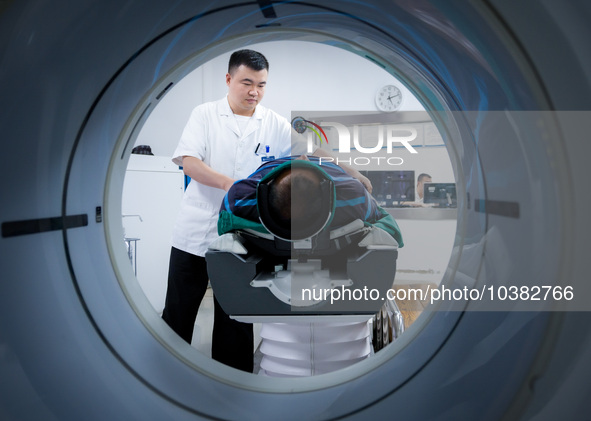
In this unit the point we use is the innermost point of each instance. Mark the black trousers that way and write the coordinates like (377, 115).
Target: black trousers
(232, 341)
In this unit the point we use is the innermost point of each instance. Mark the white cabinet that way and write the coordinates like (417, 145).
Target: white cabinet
(152, 189)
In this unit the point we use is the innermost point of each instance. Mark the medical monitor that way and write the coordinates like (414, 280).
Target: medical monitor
(443, 195)
(392, 188)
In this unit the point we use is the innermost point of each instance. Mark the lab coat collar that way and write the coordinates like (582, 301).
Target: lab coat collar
(225, 111)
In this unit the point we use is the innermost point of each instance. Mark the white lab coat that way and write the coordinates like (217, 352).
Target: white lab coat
(212, 135)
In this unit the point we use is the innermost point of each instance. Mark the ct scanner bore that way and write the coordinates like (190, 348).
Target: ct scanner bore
(77, 343)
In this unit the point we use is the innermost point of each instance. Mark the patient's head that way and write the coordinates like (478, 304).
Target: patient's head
(295, 197)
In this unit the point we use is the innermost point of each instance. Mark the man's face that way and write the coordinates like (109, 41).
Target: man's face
(246, 88)
(421, 187)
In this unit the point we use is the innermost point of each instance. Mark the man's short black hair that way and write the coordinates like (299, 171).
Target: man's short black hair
(249, 58)
(422, 176)
(297, 202)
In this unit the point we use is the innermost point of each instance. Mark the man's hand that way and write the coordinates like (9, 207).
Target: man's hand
(365, 181)
(356, 174)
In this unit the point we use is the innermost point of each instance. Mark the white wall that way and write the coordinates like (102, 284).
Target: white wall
(153, 189)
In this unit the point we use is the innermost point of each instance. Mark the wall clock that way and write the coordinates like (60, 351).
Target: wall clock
(389, 98)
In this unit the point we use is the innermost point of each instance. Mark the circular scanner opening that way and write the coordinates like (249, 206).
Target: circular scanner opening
(326, 84)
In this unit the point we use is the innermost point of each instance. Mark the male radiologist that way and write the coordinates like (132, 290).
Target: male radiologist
(223, 141)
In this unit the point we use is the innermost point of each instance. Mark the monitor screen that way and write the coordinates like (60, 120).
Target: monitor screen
(392, 188)
(443, 195)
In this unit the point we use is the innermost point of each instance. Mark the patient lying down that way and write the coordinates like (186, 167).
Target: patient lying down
(294, 199)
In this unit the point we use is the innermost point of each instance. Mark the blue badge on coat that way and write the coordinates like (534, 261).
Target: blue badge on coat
(267, 158)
